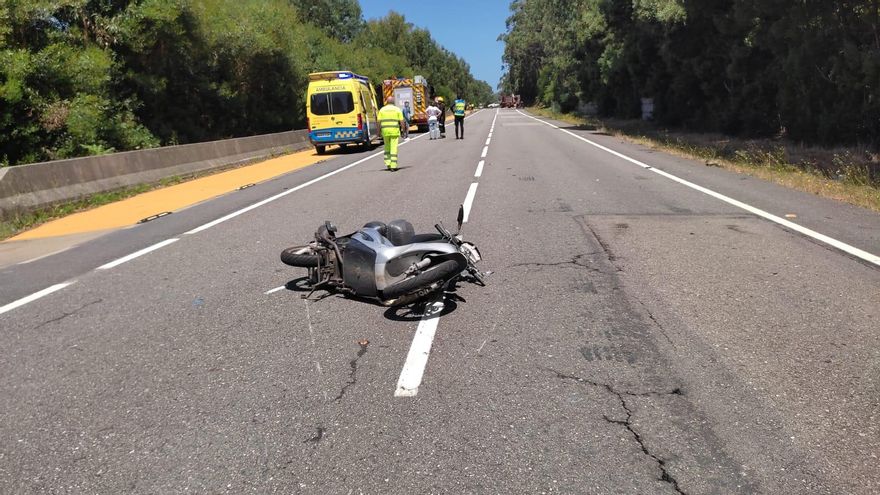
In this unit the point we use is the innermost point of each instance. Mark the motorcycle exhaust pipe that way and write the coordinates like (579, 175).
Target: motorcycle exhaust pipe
(413, 297)
(418, 266)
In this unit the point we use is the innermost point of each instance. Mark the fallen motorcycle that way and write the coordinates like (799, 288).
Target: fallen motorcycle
(388, 263)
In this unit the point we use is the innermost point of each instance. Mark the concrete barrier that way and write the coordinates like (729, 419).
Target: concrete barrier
(29, 187)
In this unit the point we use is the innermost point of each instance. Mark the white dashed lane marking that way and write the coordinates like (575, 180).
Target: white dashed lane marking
(34, 296)
(417, 359)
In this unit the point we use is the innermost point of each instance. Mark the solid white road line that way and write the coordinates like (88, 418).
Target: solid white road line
(137, 254)
(419, 350)
(276, 289)
(34, 296)
(485, 150)
(469, 201)
(295, 189)
(285, 193)
(480, 168)
(852, 250)
(38, 258)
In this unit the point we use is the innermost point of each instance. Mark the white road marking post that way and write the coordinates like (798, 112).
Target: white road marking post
(137, 254)
(469, 201)
(34, 296)
(479, 171)
(417, 358)
(852, 250)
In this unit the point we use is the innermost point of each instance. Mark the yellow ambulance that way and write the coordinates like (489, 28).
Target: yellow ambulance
(341, 109)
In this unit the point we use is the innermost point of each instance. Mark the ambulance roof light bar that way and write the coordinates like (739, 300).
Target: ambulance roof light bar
(336, 74)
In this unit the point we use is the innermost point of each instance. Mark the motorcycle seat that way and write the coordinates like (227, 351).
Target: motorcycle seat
(400, 232)
(379, 226)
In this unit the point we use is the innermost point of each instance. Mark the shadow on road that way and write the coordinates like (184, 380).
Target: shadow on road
(582, 127)
(406, 313)
(298, 285)
(350, 149)
(416, 311)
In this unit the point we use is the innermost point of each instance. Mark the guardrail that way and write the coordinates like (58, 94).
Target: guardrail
(30, 187)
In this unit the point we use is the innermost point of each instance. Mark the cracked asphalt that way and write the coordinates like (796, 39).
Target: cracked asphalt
(635, 336)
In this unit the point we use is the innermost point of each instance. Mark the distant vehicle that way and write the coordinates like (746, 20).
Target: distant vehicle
(341, 109)
(511, 101)
(414, 92)
(493, 105)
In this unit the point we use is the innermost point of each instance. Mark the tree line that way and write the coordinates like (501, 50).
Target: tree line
(84, 77)
(808, 70)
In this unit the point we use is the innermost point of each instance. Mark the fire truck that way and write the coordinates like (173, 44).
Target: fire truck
(414, 93)
(511, 101)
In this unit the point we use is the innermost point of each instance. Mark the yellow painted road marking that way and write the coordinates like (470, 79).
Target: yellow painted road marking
(129, 211)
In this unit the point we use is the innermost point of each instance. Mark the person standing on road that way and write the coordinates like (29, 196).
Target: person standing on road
(433, 121)
(390, 122)
(441, 104)
(458, 110)
(407, 117)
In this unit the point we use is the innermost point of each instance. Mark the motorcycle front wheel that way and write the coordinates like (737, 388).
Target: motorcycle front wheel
(300, 256)
(435, 273)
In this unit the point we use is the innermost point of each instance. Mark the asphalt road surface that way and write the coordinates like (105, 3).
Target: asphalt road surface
(650, 326)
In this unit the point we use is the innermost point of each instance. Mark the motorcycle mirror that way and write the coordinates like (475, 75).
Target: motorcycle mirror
(460, 216)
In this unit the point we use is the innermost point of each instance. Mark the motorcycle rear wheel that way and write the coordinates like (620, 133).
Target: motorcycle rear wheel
(433, 274)
(291, 256)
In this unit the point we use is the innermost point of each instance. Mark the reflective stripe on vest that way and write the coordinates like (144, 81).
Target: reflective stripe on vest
(390, 117)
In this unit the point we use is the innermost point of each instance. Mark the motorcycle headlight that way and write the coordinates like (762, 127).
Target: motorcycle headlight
(471, 252)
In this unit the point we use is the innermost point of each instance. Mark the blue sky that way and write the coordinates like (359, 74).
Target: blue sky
(467, 28)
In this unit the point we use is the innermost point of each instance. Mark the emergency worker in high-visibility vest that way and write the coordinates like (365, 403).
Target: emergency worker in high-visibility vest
(458, 109)
(390, 121)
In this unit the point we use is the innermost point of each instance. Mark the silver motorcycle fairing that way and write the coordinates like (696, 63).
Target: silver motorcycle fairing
(386, 252)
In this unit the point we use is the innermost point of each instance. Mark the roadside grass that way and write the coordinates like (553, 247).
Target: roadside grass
(849, 174)
(21, 222)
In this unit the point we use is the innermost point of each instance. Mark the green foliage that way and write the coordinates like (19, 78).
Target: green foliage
(340, 19)
(84, 77)
(56, 85)
(806, 70)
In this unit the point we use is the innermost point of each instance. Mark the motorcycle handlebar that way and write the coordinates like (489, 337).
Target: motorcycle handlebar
(440, 228)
